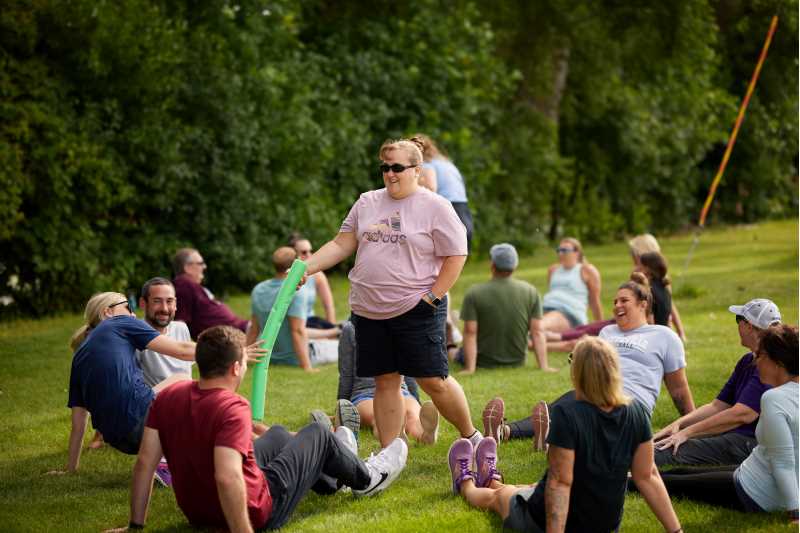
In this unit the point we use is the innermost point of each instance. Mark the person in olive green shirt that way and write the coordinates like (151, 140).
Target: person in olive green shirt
(499, 314)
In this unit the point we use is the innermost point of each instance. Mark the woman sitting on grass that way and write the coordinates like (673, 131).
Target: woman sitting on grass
(654, 266)
(106, 381)
(767, 480)
(595, 438)
(573, 286)
(649, 354)
(647, 244)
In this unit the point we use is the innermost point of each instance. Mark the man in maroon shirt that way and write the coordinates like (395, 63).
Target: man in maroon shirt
(221, 477)
(196, 304)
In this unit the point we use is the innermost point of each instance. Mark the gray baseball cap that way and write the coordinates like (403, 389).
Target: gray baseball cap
(504, 256)
(761, 313)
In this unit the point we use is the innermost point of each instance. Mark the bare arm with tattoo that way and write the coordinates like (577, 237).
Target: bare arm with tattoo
(559, 483)
(679, 390)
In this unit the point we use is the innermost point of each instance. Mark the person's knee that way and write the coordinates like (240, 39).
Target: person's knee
(314, 431)
(435, 385)
(388, 382)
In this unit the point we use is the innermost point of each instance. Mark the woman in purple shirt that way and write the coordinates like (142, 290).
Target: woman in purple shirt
(410, 248)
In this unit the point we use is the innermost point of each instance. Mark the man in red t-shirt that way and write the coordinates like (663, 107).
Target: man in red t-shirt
(221, 477)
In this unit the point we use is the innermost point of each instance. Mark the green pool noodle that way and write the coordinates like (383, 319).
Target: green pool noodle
(270, 333)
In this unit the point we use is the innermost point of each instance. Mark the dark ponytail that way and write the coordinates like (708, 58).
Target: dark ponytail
(656, 266)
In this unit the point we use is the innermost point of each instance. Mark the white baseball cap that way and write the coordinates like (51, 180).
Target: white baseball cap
(761, 313)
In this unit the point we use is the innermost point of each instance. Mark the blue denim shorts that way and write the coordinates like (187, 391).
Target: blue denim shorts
(411, 344)
(355, 400)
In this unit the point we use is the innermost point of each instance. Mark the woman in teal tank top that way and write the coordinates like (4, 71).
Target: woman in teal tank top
(574, 286)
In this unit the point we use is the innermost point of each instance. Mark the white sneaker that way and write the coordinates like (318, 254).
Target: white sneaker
(384, 467)
(346, 437)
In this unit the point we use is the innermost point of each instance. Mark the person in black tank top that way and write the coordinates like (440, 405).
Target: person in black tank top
(654, 266)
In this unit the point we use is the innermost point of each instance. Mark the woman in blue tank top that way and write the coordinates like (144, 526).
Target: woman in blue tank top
(440, 175)
(574, 286)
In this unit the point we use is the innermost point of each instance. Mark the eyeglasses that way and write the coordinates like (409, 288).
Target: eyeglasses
(561, 250)
(740, 319)
(397, 168)
(125, 303)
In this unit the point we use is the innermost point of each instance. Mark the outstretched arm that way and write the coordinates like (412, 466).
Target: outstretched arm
(648, 481)
(560, 462)
(699, 414)
(470, 345)
(326, 297)
(591, 276)
(678, 388)
(79, 418)
(183, 350)
(676, 322)
(297, 326)
(539, 342)
(716, 424)
(332, 253)
(146, 462)
(231, 488)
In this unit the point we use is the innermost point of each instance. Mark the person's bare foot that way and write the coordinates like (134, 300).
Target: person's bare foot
(549, 369)
(97, 441)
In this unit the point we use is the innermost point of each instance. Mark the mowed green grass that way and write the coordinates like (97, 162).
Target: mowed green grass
(730, 266)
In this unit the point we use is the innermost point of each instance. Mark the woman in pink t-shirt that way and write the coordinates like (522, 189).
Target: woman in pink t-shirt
(410, 248)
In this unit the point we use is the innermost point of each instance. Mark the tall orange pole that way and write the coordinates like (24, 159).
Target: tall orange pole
(738, 123)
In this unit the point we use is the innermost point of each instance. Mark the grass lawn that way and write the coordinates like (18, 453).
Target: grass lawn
(731, 265)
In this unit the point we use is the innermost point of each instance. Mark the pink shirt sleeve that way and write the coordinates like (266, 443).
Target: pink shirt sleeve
(449, 234)
(350, 223)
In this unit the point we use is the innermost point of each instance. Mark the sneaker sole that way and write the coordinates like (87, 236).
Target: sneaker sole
(493, 418)
(351, 420)
(317, 416)
(540, 418)
(429, 419)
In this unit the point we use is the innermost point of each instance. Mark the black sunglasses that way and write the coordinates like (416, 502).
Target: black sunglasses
(125, 303)
(397, 168)
(740, 318)
(561, 250)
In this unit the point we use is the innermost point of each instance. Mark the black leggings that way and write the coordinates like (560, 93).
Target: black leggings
(313, 459)
(523, 428)
(714, 485)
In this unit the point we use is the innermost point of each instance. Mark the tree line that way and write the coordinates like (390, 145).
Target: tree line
(132, 128)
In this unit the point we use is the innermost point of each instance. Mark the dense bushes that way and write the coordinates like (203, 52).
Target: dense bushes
(131, 128)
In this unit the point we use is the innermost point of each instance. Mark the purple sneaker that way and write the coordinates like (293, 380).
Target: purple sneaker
(460, 458)
(163, 475)
(486, 462)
